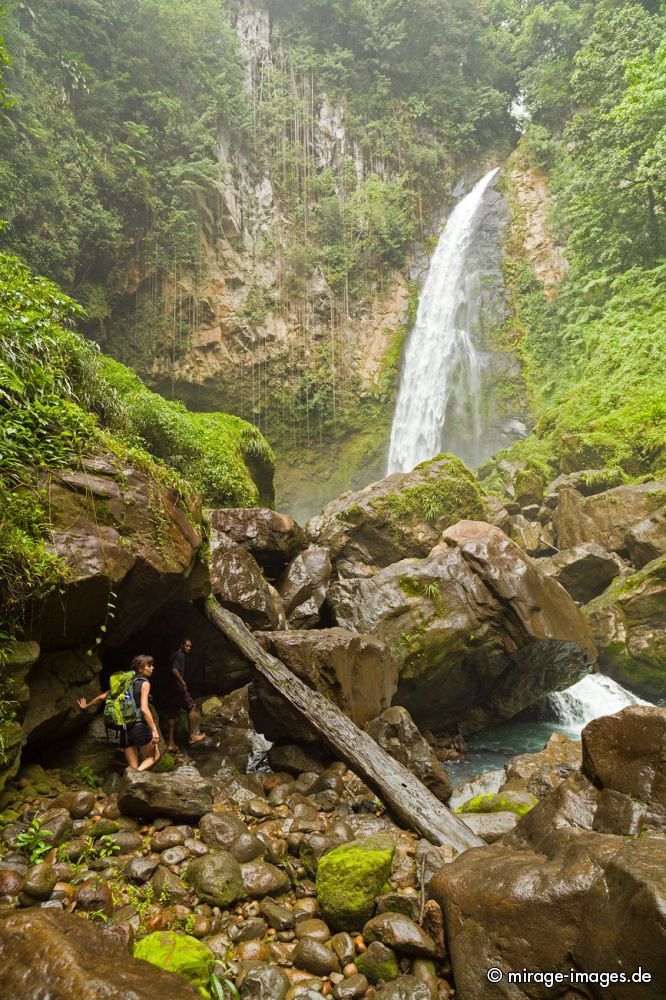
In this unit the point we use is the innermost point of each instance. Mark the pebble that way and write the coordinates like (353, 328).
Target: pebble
(57, 826)
(77, 804)
(164, 840)
(253, 951)
(11, 883)
(249, 930)
(343, 946)
(196, 847)
(140, 869)
(258, 809)
(313, 928)
(127, 841)
(40, 881)
(352, 988)
(263, 879)
(278, 916)
(93, 896)
(247, 847)
(399, 932)
(174, 855)
(315, 957)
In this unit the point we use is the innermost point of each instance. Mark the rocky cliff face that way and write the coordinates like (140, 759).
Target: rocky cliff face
(127, 544)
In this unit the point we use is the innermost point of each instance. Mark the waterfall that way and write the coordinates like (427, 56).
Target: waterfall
(592, 697)
(438, 406)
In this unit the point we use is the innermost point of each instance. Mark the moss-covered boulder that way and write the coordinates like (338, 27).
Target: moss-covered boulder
(226, 458)
(504, 801)
(216, 878)
(349, 879)
(628, 622)
(401, 515)
(180, 953)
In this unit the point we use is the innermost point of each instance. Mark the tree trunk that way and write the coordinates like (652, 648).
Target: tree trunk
(398, 788)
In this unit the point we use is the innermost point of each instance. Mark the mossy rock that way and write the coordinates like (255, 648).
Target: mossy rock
(516, 802)
(216, 878)
(402, 515)
(349, 879)
(179, 953)
(378, 963)
(627, 622)
(165, 764)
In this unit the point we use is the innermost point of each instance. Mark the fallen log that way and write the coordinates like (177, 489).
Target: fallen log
(408, 799)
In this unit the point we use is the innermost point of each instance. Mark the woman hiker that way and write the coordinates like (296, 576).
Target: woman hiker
(179, 697)
(140, 740)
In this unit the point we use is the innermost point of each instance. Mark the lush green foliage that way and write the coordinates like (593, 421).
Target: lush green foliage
(32, 842)
(109, 151)
(596, 354)
(212, 450)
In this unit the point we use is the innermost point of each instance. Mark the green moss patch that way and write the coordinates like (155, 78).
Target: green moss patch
(452, 494)
(350, 878)
(179, 953)
(219, 453)
(519, 803)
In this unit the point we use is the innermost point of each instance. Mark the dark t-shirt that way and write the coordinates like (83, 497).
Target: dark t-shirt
(177, 662)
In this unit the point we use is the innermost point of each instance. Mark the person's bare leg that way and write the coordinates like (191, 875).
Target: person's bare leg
(132, 757)
(150, 754)
(171, 735)
(193, 724)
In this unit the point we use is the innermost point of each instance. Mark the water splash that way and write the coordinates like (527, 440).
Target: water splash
(438, 405)
(592, 697)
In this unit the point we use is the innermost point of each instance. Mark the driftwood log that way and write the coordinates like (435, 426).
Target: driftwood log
(409, 800)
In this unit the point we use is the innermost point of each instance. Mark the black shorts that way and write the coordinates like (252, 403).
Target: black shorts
(137, 735)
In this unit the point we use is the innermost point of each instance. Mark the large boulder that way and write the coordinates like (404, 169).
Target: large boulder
(605, 518)
(349, 879)
(626, 752)
(583, 874)
(183, 794)
(395, 732)
(402, 515)
(479, 633)
(647, 539)
(584, 571)
(44, 953)
(273, 539)
(628, 622)
(56, 682)
(127, 542)
(592, 895)
(239, 585)
(355, 671)
(303, 587)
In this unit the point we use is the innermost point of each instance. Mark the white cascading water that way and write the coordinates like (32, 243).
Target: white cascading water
(442, 369)
(592, 697)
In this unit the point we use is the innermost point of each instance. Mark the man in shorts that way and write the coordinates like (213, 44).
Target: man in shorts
(181, 698)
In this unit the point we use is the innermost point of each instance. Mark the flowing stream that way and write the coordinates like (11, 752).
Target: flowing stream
(438, 406)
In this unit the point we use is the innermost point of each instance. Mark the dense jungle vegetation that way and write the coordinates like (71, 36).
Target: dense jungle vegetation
(594, 79)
